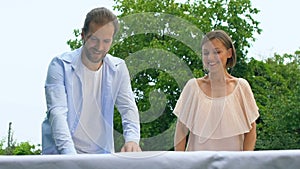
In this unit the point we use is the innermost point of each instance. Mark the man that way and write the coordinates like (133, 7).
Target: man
(82, 88)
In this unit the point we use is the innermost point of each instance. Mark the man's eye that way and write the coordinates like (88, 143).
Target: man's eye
(93, 38)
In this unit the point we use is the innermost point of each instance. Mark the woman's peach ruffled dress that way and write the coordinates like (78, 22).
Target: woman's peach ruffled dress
(216, 124)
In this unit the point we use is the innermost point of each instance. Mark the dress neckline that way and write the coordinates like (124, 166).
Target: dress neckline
(212, 98)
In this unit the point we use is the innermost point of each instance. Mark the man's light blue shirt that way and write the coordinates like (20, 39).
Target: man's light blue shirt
(63, 91)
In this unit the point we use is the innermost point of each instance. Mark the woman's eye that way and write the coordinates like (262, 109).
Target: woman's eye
(107, 41)
(217, 52)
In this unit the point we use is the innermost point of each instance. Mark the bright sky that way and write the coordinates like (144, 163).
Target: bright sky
(35, 31)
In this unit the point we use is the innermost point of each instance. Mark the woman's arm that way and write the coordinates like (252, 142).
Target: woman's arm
(250, 139)
(180, 136)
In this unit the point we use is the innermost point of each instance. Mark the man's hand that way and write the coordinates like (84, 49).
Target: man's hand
(131, 146)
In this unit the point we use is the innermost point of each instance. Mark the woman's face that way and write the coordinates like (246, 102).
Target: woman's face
(215, 55)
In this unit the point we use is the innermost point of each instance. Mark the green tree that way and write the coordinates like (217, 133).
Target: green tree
(176, 28)
(232, 16)
(159, 41)
(23, 148)
(14, 148)
(2, 151)
(276, 84)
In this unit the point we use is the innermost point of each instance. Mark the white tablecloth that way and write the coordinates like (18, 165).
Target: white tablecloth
(286, 159)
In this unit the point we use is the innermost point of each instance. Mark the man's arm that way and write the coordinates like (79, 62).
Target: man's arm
(57, 108)
(127, 107)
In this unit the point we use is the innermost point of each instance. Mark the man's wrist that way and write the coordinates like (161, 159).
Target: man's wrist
(137, 141)
(68, 151)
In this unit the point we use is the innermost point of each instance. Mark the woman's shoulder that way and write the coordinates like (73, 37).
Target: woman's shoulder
(243, 82)
(244, 85)
(191, 81)
(202, 80)
(190, 85)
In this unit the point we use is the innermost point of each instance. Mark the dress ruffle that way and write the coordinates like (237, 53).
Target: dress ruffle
(217, 118)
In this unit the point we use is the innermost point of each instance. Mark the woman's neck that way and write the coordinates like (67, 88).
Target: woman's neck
(219, 77)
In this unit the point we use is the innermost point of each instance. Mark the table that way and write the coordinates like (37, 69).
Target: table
(287, 159)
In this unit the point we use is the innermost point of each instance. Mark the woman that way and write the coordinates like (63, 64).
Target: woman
(216, 112)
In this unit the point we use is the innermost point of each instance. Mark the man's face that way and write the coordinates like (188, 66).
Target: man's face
(97, 42)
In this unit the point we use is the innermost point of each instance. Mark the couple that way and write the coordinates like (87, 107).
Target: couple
(83, 86)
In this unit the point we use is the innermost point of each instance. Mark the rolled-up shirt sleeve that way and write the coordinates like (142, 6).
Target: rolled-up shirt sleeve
(57, 110)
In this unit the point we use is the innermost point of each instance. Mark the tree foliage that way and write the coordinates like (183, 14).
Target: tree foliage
(175, 28)
(22, 148)
(160, 39)
(276, 84)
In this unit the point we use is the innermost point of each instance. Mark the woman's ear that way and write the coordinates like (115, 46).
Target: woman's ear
(229, 53)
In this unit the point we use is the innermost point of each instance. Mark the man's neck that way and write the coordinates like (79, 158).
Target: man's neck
(91, 66)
